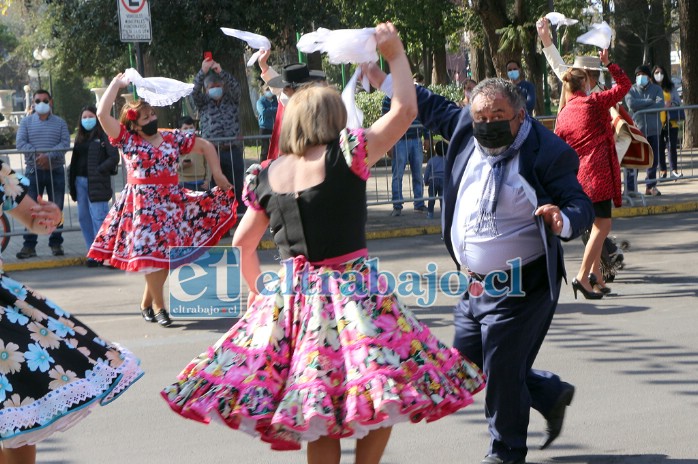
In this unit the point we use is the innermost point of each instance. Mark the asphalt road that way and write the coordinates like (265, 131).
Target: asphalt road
(633, 357)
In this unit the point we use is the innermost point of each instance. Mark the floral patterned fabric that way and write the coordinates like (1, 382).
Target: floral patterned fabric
(319, 357)
(53, 368)
(149, 218)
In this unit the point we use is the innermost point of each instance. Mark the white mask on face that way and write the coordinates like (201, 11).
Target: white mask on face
(659, 77)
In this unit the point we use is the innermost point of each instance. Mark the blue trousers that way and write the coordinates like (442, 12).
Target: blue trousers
(652, 170)
(407, 150)
(436, 188)
(502, 335)
(90, 214)
(53, 183)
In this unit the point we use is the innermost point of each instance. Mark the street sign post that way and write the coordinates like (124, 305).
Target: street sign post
(134, 21)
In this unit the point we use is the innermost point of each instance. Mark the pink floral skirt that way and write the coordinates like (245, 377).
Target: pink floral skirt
(308, 360)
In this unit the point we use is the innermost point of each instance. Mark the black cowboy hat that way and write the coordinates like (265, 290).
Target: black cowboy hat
(295, 74)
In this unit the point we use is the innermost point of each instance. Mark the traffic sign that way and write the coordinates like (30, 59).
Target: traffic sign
(134, 21)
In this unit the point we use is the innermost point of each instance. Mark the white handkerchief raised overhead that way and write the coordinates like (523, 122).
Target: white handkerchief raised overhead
(599, 35)
(158, 91)
(256, 41)
(342, 45)
(558, 19)
(355, 117)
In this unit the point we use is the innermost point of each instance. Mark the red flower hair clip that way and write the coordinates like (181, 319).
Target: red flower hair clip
(132, 114)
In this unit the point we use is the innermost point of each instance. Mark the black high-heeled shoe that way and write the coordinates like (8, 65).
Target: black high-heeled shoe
(589, 295)
(594, 282)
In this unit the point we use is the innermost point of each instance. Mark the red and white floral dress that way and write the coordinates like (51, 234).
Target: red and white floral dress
(153, 212)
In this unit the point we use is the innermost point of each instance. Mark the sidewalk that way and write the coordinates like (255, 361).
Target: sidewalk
(681, 196)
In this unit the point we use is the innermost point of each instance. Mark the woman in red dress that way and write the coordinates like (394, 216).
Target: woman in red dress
(153, 213)
(585, 124)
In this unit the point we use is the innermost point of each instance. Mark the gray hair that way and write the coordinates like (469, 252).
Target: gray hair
(495, 86)
(212, 78)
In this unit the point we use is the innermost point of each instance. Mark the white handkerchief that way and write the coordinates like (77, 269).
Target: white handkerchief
(355, 117)
(599, 35)
(255, 41)
(158, 91)
(558, 19)
(342, 45)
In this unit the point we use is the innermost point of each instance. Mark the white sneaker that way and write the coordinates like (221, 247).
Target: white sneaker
(676, 174)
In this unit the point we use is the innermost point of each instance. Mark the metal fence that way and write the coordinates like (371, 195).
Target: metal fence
(380, 184)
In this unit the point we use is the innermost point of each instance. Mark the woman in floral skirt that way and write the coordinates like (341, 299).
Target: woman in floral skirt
(153, 213)
(53, 368)
(316, 359)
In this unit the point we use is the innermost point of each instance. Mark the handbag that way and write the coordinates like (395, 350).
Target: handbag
(633, 149)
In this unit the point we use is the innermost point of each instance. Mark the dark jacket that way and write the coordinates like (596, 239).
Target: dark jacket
(546, 163)
(102, 160)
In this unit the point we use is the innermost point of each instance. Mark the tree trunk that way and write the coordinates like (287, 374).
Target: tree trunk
(488, 63)
(660, 40)
(688, 24)
(440, 73)
(629, 48)
(477, 63)
(493, 15)
(234, 63)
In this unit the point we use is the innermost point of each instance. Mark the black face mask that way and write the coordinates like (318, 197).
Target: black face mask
(493, 134)
(151, 128)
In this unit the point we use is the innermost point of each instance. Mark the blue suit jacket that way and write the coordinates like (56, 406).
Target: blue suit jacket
(547, 168)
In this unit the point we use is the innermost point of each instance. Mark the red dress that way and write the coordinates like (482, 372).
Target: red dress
(585, 124)
(154, 213)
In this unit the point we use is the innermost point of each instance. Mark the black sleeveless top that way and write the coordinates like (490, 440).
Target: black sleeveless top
(326, 220)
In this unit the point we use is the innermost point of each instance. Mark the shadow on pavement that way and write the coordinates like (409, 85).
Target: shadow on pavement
(621, 459)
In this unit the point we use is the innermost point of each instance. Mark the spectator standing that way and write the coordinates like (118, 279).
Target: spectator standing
(468, 87)
(669, 136)
(407, 150)
(194, 173)
(515, 74)
(37, 132)
(267, 105)
(434, 177)
(217, 97)
(93, 162)
(646, 95)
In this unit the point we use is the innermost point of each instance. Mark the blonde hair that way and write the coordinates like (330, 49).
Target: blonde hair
(141, 106)
(315, 115)
(573, 79)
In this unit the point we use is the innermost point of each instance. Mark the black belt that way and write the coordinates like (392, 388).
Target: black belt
(481, 277)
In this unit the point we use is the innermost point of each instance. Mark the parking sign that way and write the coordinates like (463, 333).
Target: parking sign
(207, 286)
(134, 21)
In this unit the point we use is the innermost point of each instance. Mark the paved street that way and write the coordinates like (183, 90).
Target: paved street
(633, 357)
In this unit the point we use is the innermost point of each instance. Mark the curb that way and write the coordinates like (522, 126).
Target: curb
(633, 211)
(624, 212)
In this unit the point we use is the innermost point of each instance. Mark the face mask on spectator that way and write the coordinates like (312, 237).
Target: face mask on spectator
(88, 123)
(268, 94)
(42, 108)
(215, 92)
(513, 74)
(659, 77)
(189, 131)
(642, 80)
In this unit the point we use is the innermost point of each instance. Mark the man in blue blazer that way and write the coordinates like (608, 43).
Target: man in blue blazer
(510, 196)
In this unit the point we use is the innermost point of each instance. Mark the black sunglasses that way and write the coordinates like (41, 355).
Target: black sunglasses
(37, 101)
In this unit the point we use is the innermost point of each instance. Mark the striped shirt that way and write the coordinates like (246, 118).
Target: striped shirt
(37, 136)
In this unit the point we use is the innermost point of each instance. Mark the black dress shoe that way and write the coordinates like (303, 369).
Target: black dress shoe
(163, 318)
(495, 460)
(148, 314)
(556, 416)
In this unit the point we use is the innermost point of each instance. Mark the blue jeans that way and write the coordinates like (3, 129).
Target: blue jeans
(53, 183)
(193, 185)
(90, 215)
(436, 188)
(652, 170)
(407, 150)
